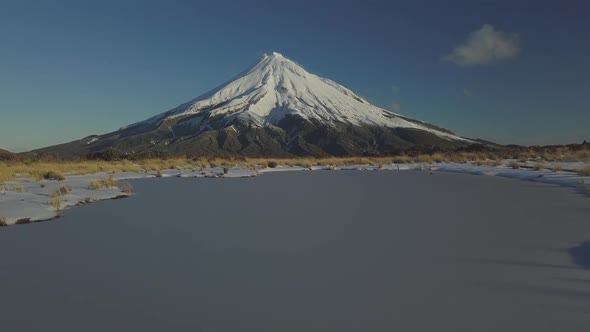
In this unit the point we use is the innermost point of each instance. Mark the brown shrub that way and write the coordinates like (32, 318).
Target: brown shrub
(56, 200)
(110, 182)
(65, 190)
(584, 171)
(127, 188)
(53, 175)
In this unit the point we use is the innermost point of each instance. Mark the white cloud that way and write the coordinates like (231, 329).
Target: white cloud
(485, 46)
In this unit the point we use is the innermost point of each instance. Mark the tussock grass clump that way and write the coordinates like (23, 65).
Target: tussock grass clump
(488, 162)
(108, 183)
(159, 174)
(439, 157)
(514, 164)
(54, 175)
(556, 168)
(127, 188)
(539, 166)
(425, 158)
(584, 171)
(15, 187)
(400, 159)
(272, 164)
(96, 184)
(65, 190)
(3, 222)
(56, 200)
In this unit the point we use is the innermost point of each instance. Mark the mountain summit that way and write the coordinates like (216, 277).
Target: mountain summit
(274, 108)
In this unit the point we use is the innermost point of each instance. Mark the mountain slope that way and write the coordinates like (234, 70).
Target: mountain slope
(6, 154)
(274, 108)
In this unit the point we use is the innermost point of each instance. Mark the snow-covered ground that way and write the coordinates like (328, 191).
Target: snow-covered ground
(26, 200)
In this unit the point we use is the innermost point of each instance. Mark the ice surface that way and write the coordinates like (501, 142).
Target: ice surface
(25, 199)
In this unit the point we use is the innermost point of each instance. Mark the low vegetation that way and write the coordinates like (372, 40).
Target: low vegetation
(539, 166)
(108, 183)
(65, 190)
(54, 175)
(14, 187)
(127, 188)
(3, 221)
(584, 171)
(52, 168)
(514, 165)
(56, 200)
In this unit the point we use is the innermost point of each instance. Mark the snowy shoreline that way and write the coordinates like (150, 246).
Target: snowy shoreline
(26, 200)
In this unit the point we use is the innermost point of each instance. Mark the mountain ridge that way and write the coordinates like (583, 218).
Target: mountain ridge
(273, 108)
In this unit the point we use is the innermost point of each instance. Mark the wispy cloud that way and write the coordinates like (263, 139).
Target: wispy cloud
(485, 46)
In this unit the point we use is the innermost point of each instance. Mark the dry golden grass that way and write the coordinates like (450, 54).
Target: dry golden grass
(108, 183)
(556, 168)
(14, 187)
(127, 188)
(65, 190)
(564, 154)
(10, 170)
(54, 175)
(539, 166)
(56, 200)
(3, 221)
(424, 158)
(400, 159)
(38, 169)
(584, 171)
(514, 164)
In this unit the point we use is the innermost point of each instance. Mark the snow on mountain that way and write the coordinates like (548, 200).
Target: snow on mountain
(275, 108)
(276, 87)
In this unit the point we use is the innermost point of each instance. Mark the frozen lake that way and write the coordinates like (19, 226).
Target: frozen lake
(307, 251)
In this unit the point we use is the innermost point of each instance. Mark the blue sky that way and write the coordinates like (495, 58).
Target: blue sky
(69, 69)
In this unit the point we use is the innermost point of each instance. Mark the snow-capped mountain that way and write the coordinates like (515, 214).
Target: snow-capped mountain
(274, 108)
